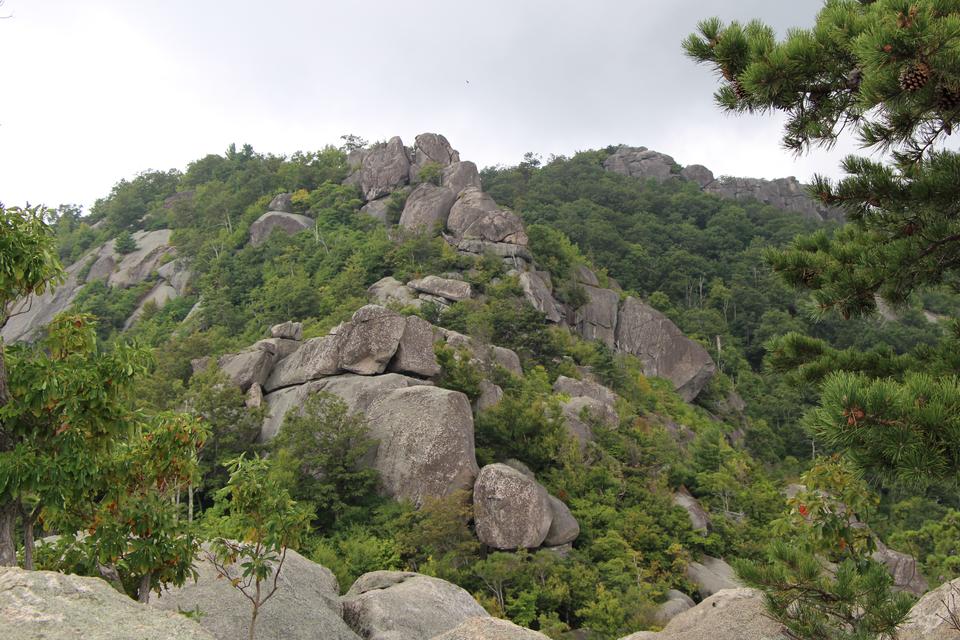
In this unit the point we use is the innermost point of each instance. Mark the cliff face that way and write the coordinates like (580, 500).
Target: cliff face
(783, 193)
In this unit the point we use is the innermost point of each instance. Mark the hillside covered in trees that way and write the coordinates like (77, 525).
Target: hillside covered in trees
(573, 389)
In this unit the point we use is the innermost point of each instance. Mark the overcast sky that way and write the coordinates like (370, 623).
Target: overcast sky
(97, 90)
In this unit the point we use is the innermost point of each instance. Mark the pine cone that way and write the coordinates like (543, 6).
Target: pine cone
(947, 97)
(914, 76)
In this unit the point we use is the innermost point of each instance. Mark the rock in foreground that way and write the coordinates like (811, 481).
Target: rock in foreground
(54, 606)
(490, 629)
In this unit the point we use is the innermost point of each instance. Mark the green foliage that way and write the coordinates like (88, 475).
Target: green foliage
(131, 201)
(256, 522)
(458, 371)
(28, 259)
(124, 243)
(936, 546)
(322, 446)
(431, 172)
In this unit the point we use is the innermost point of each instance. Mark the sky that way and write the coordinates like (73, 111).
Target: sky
(94, 91)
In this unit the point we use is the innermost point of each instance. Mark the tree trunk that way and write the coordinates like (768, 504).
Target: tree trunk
(143, 593)
(4, 393)
(8, 548)
(29, 519)
(190, 503)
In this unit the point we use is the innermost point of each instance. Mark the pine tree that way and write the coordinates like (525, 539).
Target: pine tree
(889, 72)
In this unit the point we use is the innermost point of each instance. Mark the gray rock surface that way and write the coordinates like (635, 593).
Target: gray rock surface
(511, 510)
(731, 614)
(358, 392)
(415, 353)
(585, 389)
(398, 605)
(426, 446)
(281, 202)
(288, 330)
(133, 268)
(453, 290)
(583, 275)
(306, 605)
(434, 147)
(537, 291)
(487, 628)
(580, 412)
(697, 173)
(597, 319)
(248, 367)
(783, 193)
(370, 339)
(476, 215)
(640, 162)
(930, 616)
(289, 223)
(663, 349)
(459, 176)
(159, 295)
(676, 603)
(315, 358)
(490, 395)
(254, 399)
(283, 347)
(175, 273)
(427, 208)
(377, 209)
(699, 519)
(47, 605)
(712, 575)
(564, 528)
(903, 568)
(389, 290)
(380, 169)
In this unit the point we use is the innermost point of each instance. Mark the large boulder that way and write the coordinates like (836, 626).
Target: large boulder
(399, 605)
(783, 193)
(47, 605)
(434, 147)
(426, 446)
(415, 353)
(537, 290)
(640, 162)
(712, 575)
(699, 174)
(446, 288)
(676, 603)
(564, 528)
(580, 413)
(597, 318)
(305, 606)
(731, 614)
(511, 510)
(159, 295)
(289, 223)
(699, 518)
(585, 389)
(903, 568)
(358, 392)
(287, 330)
(134, 267)
(281, 202)
(663, 349)
(931, 618)
(389, 290)
(427, 208)
(315, 358)
(459, 176)
(487, 628)
(250, 366)
(371, 339)
(476, 215)
(380, 169)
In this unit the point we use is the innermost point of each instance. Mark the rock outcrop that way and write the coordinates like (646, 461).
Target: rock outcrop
(903, 568)
(676, 603)
(399, 605)
(699, 518)
(931, 617)
(511, 509)
(152, 256)
(380, 169)
(537, 289)
(426, 442)
(476, 216)
(446, 288)
(288, 223)
(731, 614)
(662, 348)
(597, 318)
(54, 606)
(427, 208)
(305, 606)
(487, 628)
(370, 339)
(459, 176)
(783, 193)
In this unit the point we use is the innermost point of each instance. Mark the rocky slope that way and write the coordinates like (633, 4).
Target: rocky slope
(783, 193)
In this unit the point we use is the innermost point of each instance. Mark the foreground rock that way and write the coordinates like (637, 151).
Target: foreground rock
(399, 605)
(54, 606)
(699, 518)
(511, 510)
(732, 614)
(380, 169)
(903, 568)
(427, 208)
(663, 349)
(676, 603)
(931, 618)
(487, 628)
(288, 223)
(426, 446)
(306, 605)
